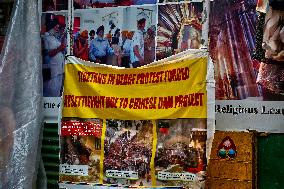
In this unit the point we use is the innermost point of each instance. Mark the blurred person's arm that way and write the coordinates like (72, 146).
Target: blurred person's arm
(279, 56)
(110, 50)
(54, 52)
(136, 42)
(92, 52)
(137, 54)
(78, 52)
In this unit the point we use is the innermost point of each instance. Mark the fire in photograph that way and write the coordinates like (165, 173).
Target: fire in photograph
(80, 149)
(181, 152)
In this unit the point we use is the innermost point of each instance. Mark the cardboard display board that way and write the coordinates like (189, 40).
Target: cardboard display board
(232, 161)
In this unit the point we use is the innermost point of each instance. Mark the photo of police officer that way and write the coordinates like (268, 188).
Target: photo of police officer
(119, 36)
(100, 47)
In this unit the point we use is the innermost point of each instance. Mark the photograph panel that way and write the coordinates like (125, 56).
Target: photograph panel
(179, 28)
(88, 4)
(121, 36)
(53, 42)
(128, 150)
(247, 50)
(181, 152)
(80, 151)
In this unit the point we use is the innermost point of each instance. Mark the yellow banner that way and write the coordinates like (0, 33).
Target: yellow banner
(164, 91)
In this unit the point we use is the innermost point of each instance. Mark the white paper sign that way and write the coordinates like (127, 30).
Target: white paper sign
(122, 174)
(80, 170)
(176, 176)
(51, 107)
(262, 116)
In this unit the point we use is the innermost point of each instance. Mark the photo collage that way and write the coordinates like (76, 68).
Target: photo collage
(126, 33)
(132, 33)
(134, 152)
